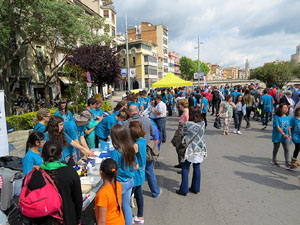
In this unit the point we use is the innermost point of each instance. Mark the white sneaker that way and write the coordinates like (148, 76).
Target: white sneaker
(234, 131)
(239, 132)
(136, 220)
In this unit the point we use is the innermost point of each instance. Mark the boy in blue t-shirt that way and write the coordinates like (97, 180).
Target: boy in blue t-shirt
(266, 103)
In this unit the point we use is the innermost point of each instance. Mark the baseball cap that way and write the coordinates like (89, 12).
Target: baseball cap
(84, 116)
(274, 86)
(124, 96)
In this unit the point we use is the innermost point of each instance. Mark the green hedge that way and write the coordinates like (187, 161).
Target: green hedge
(27, 121)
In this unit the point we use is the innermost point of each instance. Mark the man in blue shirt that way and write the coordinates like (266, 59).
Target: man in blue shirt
(266, 103)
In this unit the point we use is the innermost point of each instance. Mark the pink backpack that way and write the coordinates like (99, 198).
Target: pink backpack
(45, 201)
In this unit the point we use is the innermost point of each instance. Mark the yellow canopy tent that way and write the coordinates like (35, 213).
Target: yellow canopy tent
(170, 80)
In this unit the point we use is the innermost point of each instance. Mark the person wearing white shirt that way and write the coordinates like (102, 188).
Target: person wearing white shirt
(159, 113)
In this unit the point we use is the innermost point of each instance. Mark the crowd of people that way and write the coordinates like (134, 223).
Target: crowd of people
(60, 141)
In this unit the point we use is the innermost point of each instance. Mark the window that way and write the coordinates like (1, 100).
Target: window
(165, 33)
(165, 69)
(106, 13)
(150, 70)
(146, 58)
(165, 41)
(151, 59)
(165, 51)
(40, 73)
(39, 52)
(124, 61)
(133, 60)
(165, 60)
(146, 47)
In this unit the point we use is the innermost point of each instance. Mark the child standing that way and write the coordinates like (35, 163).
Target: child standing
(281, 134)
(124, 155)
(109, 199)
(33, 157)
(137, 133)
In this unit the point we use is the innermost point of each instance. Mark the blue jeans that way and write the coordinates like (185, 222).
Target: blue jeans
(151, 178)
(161, 125)
(184, 187)
(265, 118)
(138, 195)
(126, 194)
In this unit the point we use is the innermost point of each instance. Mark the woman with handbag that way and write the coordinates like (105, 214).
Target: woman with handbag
(226, 112)
(195, 151)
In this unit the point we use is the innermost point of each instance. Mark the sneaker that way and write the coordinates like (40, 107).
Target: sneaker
(136, 220)
(264, 127)
(291, 167)
(234, 131)
(239, 132)
(275, 163)
(160, 192)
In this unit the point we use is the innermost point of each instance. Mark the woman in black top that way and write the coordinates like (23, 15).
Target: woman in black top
(66, 180)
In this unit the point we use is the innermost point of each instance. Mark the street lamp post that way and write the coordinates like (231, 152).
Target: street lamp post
(199, 43)
(127, 55)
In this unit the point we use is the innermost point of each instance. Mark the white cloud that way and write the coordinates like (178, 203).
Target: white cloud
(232, 31)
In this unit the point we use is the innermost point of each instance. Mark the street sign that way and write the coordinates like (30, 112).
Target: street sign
(196, 75)
(88, 77)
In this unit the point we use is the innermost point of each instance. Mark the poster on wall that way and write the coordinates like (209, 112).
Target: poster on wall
(3, 129)
(132, 72)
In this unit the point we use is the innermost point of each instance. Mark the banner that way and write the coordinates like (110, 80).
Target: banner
(124, 72)
(3, 129)
(132, 72)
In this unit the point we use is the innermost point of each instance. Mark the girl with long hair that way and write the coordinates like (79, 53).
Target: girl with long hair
(36, 141)
(240, 112)
(281, 134)
(124, 155)
(137, 133)
(63, 111)
(55, 131)
(109, 199)
(66, 180)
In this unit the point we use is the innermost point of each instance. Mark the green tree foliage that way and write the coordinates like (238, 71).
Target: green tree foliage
(188, 67)
(55, 24)
(279, 73)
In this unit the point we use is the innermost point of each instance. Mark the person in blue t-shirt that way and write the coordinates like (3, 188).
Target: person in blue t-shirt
(226, 91)
(235, 93)
(266, 103)
(75, 130)
(170, 102)
(33, 157)
(43, 116)
(204, 109)
(281, 134)
(63, 111)
(125, 157)
(55, 131)
(137, 133)
(134, 101)
(295, 128)
(103, 129)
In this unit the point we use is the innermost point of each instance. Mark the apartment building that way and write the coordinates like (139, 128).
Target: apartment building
(158, 35)
(143, 63)
(174, 63)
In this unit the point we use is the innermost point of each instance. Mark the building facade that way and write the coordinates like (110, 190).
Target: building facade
(158, 35)
(174, 63)
(143, 63)
(296, 57)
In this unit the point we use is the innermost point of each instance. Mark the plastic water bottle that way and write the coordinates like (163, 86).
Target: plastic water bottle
(111, 147)
(89, 167)
(105, 148)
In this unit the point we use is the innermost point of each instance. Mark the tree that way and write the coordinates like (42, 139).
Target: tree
(101, 61)
(55, 24)
(188, 67)
(279, 73)
(296, 70)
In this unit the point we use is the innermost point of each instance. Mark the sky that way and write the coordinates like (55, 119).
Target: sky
(231, 30)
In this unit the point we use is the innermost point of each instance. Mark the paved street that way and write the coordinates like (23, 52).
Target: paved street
(238, 187)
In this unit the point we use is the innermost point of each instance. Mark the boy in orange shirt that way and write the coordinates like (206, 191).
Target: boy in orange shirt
(109, 199)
